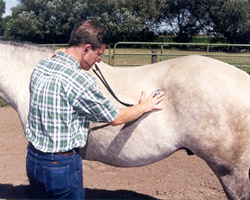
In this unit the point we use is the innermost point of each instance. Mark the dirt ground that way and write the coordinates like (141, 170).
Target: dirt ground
(178, 177)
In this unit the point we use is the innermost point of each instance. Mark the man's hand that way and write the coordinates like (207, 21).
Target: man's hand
(151, 102)
(146, 104)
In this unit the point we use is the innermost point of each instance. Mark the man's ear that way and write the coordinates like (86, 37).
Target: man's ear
(86, 47)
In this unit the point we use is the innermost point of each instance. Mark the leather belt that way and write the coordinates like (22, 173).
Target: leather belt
(66, 153)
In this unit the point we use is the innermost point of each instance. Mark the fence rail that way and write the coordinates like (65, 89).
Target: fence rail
(240, 59)
(206, 51)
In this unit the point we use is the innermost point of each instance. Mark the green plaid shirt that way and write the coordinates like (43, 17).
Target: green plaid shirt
(63, 100)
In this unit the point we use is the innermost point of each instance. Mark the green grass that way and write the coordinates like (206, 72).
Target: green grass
(2, 103)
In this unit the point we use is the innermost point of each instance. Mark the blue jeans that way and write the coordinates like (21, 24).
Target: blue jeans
(55, 177)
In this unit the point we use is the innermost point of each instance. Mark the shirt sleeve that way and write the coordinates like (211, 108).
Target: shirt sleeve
(95, 106)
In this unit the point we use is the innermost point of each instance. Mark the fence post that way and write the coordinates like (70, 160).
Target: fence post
(207, 49)
(154, 56)
(161, 52)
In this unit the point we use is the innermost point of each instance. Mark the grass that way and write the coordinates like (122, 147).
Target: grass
(2, 103)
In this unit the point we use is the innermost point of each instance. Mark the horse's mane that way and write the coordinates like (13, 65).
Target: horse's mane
(22, 54)
(29, 45)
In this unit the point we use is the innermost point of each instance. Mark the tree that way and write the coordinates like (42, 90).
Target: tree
(127, 20)
(233, 21)
(40, 21)
(178, 15)
(227, 17)
(2, 10)
(52, 20)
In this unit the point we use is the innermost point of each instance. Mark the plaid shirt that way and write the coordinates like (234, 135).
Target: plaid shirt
(63, 100)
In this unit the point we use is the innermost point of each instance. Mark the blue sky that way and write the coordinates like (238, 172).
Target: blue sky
(8, 5)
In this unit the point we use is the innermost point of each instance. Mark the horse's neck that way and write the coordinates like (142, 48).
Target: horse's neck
(17, 63)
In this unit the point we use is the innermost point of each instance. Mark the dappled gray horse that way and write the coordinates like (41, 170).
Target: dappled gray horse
(206, 110)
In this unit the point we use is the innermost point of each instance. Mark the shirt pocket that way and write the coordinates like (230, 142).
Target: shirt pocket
(57, 179)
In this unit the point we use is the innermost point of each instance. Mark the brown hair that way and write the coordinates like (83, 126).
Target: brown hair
(88, 32)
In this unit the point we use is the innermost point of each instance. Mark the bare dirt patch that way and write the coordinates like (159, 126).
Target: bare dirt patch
(177, 177)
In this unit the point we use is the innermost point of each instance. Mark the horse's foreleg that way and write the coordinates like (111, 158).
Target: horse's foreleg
(236, 184)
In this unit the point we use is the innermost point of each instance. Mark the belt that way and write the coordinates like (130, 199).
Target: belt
(66, 153)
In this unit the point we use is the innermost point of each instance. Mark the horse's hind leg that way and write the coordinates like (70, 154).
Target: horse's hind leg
(237, 184)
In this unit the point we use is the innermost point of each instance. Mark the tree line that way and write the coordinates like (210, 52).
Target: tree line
(51, 21)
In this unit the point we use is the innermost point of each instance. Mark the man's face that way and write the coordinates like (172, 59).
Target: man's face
(90, 56)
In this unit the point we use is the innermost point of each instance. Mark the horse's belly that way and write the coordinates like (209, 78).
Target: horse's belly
(142, 142)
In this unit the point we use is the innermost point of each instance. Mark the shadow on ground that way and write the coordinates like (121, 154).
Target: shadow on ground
(8, 191)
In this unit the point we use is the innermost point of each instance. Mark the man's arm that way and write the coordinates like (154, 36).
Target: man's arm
(145, 105)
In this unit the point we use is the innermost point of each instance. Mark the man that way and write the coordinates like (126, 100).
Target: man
(64, 98)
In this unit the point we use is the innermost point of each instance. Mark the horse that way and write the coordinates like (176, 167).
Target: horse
(206, 110)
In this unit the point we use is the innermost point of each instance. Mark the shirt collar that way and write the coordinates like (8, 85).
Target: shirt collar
(67, 58)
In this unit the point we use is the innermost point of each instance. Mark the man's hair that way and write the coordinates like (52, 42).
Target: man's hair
(88, 32)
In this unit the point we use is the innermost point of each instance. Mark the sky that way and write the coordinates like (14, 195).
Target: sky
(8, 5)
